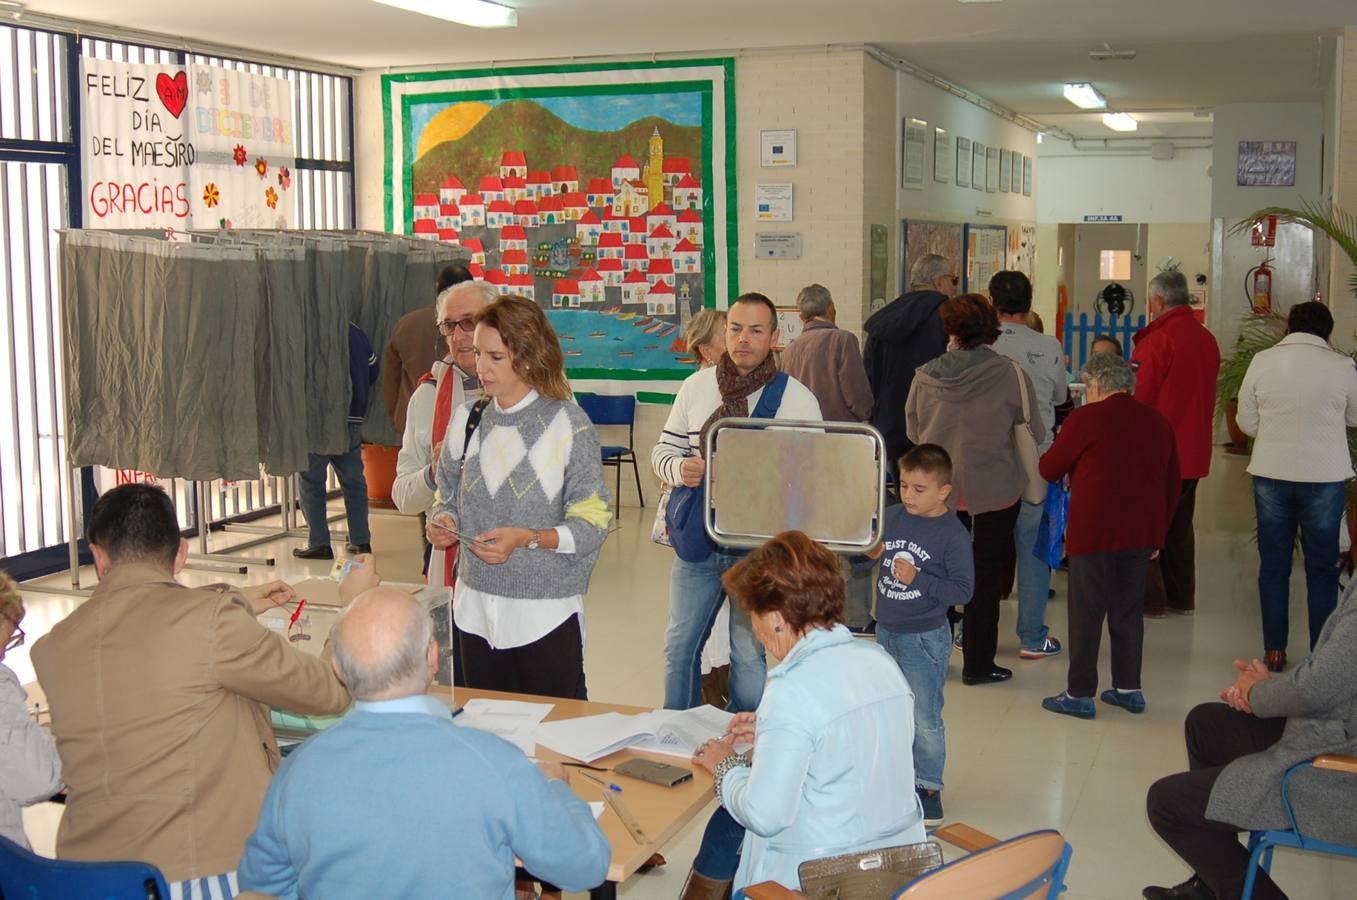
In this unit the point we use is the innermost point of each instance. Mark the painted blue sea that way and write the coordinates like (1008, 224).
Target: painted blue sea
(592, 340)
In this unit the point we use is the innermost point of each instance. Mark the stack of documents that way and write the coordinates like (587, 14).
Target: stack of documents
(512, 720)
(668, 731)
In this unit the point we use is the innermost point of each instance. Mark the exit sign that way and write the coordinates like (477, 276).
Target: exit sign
(1102, 218)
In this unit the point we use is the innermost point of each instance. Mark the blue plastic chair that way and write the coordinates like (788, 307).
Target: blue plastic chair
(1262, 843)
(610, 410)
(24, 874)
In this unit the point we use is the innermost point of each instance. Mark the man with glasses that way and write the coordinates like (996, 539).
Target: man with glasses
(30, 770)
(413, 348)
(902, 336)
(451, 383)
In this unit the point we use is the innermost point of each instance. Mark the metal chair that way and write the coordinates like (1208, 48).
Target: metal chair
(611, 410)
(1262, 843)
(24, 874)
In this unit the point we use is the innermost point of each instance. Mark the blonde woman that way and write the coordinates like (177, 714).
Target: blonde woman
(705, 335)
(520, 484)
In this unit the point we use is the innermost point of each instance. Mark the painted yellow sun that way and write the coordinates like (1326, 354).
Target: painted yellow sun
(450, 124)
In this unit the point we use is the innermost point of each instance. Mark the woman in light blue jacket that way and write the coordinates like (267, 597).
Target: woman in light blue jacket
(827, 774)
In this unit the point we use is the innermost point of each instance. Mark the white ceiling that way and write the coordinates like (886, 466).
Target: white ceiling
(1192, 53)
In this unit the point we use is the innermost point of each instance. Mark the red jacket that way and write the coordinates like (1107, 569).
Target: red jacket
(1176, 361)
(1124, 482)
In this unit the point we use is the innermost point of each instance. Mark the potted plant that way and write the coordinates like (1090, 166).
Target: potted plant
(1261, 331)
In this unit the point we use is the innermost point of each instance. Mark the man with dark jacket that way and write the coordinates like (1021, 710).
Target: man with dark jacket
(901, 337)
(1176, 361)
(414, 346)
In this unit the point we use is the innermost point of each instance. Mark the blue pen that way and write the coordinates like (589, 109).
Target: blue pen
(458, 711)
(616, 789)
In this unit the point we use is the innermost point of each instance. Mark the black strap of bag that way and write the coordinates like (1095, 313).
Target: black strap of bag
(473, 420)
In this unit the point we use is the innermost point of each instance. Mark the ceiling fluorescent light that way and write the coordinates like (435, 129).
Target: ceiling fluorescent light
(1120, 121)
(476, 13)
(1085, 96)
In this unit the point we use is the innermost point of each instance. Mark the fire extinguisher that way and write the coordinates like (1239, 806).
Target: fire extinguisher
(1258, 287)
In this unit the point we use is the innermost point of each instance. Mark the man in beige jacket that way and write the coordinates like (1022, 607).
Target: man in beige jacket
(160, 699)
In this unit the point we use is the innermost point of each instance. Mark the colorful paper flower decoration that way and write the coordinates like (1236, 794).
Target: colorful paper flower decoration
(211, 196)
(271, 197)
(261, 166)
(239, 155)
(284, 177)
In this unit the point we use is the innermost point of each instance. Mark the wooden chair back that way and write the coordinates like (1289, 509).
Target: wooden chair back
(1030, 866)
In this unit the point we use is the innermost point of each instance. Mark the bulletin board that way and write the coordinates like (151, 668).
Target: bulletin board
(920, 238)
(986, 253)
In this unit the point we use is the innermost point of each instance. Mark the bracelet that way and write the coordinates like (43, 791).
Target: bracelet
(735, 760)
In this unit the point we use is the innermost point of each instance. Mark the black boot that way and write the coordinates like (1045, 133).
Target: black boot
(321, 552)
(1192, 889)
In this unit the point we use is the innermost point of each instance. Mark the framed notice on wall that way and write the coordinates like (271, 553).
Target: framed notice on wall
(1005, 170)
(1015, 181)
(963, 162)
(914, 149)
(986, 253)
(992, 169)
(1266, 164)
(977, 165)
(943, 161)
(1027, 176)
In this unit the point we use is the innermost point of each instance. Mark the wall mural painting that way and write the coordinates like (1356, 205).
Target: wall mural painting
(605, 193)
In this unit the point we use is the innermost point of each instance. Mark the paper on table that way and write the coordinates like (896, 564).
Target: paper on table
(513, 720)
(596, 807)
(671, 732)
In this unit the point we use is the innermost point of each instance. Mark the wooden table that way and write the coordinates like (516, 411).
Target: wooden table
(661, 811)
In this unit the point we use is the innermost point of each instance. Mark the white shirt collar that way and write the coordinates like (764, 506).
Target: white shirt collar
(522, 404)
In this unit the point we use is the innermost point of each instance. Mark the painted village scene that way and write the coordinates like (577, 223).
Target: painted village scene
(604, 229)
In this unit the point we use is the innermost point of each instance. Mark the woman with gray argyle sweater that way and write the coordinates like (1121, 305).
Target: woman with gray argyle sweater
(520, 485)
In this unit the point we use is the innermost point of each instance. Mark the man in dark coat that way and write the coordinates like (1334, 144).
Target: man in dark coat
(902, 336)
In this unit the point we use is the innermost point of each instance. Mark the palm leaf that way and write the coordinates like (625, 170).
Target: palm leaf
(1260, 331)
(1339, 224)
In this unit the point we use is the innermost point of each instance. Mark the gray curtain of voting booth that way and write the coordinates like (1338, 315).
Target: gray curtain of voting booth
(209, 359)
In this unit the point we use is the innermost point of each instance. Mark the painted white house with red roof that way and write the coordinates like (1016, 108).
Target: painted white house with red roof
(449, 236)
(539, 185)
(635, 258)
(515, 262)
(591, 287)
(449, 215)
(675, 167)
(565, 179)
(426, 229)
(688, 193)
(663, 214)
(426, 206)
(660, 270)
(589, 228)
(612, 271)
(575, 206)
(565, 293)
(473, 210)
(515, 189)
(499, 278)
(523, 285)
(499, 213)
(513, 162)
(690, 226)
(624, 170)
(452, 190)
(614, 224)
(551, 210)
(611, 245)
(660, 300)
(635, 287)
(637, 230)
(631, 198)
(687, 257)
(660, 243)
(599, 193)
(476, 248)
(513, 237)
(492, 188)
(525, 214)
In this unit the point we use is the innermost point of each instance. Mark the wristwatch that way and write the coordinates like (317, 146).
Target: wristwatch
(534, 543)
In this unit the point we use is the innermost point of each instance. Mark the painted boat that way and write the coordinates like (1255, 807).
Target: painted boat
(668, 330)
(598, 334)
(651, 347)
(644, 320)
(626, 317)
(686, 360)
(625, 354)
(611, 310)
(573, 353)
(654, 327)
(567, 337)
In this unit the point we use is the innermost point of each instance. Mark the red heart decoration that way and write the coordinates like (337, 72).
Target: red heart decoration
(173, 91)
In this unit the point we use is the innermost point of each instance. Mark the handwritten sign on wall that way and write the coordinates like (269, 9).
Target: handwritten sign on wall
(175, 147)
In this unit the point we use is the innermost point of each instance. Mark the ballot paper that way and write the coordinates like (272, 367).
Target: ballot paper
(513, 720)
(668, 731)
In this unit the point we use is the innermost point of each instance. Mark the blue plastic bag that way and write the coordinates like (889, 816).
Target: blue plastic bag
(1050, 545)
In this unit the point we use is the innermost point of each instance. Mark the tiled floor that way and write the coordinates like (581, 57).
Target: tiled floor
(1012, 767)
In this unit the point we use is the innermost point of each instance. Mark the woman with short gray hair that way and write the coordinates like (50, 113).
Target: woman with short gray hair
(1122, 460)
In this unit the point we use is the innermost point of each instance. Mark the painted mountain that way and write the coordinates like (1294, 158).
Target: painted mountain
(548, 141)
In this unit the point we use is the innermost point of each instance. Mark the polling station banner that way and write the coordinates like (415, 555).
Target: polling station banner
(172, 147)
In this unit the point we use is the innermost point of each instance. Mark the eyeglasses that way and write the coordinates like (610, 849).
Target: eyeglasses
(16, 639)
(448, 326)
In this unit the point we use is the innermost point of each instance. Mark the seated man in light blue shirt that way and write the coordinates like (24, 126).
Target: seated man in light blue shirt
(395, 801)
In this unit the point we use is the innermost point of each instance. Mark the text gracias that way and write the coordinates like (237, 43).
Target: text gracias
(170, 152)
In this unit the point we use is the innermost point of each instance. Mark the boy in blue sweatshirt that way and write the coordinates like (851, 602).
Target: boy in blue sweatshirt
(926, 568)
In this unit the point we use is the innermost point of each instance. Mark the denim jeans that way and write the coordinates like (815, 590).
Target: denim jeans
(1317, 509)
(695, 597)
(311, 486)
(718, 856)
(1034, 578)
(922, 658)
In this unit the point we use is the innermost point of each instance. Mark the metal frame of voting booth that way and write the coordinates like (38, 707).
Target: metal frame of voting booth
(827, 479)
